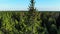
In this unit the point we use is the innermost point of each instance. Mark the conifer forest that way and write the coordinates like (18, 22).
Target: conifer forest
(30, 22)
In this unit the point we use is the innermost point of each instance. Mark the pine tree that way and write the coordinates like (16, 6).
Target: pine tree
(31, 7)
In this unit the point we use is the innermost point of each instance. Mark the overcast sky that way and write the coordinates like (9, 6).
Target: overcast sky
(41, 5)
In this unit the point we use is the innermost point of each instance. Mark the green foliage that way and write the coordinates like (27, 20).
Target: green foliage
(28, 23)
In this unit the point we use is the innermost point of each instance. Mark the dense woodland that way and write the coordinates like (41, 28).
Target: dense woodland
(29, 23)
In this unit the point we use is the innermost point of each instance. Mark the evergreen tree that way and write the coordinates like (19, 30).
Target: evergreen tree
(31, 7)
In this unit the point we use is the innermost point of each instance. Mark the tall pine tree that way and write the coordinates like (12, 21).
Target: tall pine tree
(31, 7)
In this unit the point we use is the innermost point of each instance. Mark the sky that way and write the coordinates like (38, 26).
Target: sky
(41, 5)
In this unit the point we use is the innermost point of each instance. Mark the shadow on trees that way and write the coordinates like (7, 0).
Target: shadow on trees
(58, 22)
(0, 22)
(47, 24)
(15, 17)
